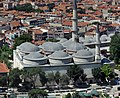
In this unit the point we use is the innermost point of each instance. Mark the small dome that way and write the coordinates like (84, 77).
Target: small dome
(92, 50)
(103, 38)
(63, 40)
(34, 56)
(51, 46)
(66, 43)
(83, 54)
(28, 47)
(93, 39)
(59, 55)
(81, 39)
(87, 40)
(75, 46)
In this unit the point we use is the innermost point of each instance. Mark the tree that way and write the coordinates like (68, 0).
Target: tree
(37, 93)
(115, 48)
(68, 95)
(75, 73)
(96, 72)
(75, 95)
(3, 80)
(25, 7)
(32, 74)
(22, 39)
(107, 70)
(51, 78)
(57, 77)
(64, 79)
(14, 77)
(5, 55)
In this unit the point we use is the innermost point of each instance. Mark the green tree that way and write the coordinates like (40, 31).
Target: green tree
(115, 48)
(5, 55)
(76, 95)
(3, 80)
(25, 7)
(68, 95)
(64, 79)
(37, 93)
(75, 73)
(14, 77)
(32, 74)
(51, 78)
(57, 77)
(106, 69)
(22, 39)
(96, 72)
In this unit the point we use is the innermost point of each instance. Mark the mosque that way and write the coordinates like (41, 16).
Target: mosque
(58, 56)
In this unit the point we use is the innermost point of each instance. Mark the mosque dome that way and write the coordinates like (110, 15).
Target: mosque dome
(34, 56)
(83, 54)
(66, 43)
(34, 59)
(103, 38)
(87, 40)
(81, 39)
(51, 46)
(63, 40)
(28, 47)
(75, 46)
(59, 55)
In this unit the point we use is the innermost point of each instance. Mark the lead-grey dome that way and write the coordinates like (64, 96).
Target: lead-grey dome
(66, 43)
(59, 55)
(62, 40)
(83, 54)
(34, 56)
(28, 47)
(75, 46)
(81, 39)
(103, 38)
(51, 46)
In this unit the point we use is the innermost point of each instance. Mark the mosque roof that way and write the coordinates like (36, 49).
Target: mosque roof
(52, 46)
(59, 55)
(34, 56)
(103, 38)
(28, 47)
(63, 40)
(83, 54)
(75, 46)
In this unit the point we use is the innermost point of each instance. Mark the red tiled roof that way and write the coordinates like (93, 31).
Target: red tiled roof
(3, 68)
(15, 23)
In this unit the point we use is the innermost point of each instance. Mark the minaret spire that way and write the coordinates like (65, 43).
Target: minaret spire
(75, 22)
(97, 52)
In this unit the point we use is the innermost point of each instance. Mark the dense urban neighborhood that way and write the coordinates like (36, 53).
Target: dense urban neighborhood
(59, 48)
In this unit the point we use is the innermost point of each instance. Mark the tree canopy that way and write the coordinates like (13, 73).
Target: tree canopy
(103, 74)
(5, 55)
(14, 77)
(27, 8)
(22, 39)
(32, 74)
(115, 48)
(37, 93)
(76, 73)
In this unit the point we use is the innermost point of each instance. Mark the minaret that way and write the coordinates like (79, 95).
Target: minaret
(97, 47)
(75, 22)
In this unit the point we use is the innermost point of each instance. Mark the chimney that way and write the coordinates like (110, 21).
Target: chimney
(97, 47)
(75, 22)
